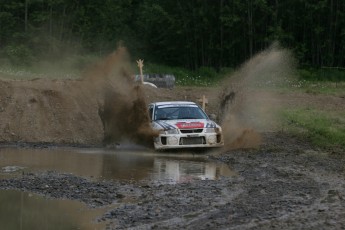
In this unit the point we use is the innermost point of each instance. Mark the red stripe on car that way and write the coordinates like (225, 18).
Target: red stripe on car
(190, 125)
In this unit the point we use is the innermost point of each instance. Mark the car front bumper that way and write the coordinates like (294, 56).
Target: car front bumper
(174, 141)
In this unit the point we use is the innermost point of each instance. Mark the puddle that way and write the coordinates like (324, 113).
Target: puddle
(177, 170)
(104, 164)
(22, 210)
(11, 169)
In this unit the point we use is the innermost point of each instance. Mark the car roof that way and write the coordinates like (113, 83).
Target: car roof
(173, 103)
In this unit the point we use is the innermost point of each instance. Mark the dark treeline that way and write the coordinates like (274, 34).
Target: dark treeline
(191, 34)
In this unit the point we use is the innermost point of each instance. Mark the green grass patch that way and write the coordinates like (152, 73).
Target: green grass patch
(67, 68)
(321, 128)
(296, 83)
(328, 88)
(25, 73)
(322, 80)
(73, 67)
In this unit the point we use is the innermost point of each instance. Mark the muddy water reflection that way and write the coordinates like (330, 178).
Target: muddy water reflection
(177, 170)
(112, 164)
(21, 210)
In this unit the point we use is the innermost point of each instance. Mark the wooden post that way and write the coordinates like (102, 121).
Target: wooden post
(204, 102)
(141, 65)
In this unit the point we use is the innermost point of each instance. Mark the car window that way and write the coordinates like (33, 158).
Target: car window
(179, 112)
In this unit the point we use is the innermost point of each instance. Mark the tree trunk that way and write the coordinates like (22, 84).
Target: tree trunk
(62, 23)
(250, 27)
(26, 16)
(51, 20)
(221, 36)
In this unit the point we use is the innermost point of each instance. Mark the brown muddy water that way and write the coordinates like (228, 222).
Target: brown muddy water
(105, 164)
(23, 210)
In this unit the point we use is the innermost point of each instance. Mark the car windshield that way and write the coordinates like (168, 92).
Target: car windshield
(179, 112)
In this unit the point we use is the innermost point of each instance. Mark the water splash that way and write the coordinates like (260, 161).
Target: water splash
(245, 107)
(122, 106)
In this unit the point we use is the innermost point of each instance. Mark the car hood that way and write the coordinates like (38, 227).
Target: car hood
(184, 124)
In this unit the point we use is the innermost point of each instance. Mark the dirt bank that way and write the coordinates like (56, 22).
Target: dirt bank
(46, 111)
(62, 112)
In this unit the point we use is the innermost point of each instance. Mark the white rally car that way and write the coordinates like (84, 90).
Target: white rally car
(183, 124)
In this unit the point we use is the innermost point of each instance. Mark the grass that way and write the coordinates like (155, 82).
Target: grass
(323, 129)
(71, 69)
(325, 81)
(329, 81)
(48, 71)
(66, 68)
(333, 74)
(28, 74)
(295, 84)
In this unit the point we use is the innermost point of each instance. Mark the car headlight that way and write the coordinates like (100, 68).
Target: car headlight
(212, 139)
(172, 140)
(210, 130)
(172, 131)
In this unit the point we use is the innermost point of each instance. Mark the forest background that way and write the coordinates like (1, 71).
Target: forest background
(195, 35)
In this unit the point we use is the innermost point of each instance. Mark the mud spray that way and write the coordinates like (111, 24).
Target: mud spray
(246, 109)
(121, 101)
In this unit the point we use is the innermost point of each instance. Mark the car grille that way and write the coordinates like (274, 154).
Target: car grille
(191, 130)
(192, 140)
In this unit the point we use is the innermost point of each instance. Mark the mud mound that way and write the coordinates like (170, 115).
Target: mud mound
(47, 111)
(104, 105)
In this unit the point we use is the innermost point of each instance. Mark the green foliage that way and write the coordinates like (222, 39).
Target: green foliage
(323, 129)
(322, 74)
(195, 35)
(207, 72)
(19, 54)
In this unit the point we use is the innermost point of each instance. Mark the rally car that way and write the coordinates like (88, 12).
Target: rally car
(183, 124)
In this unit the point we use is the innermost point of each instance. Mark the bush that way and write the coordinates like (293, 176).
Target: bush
(19, 55)
(206, 72)
(323, 74)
